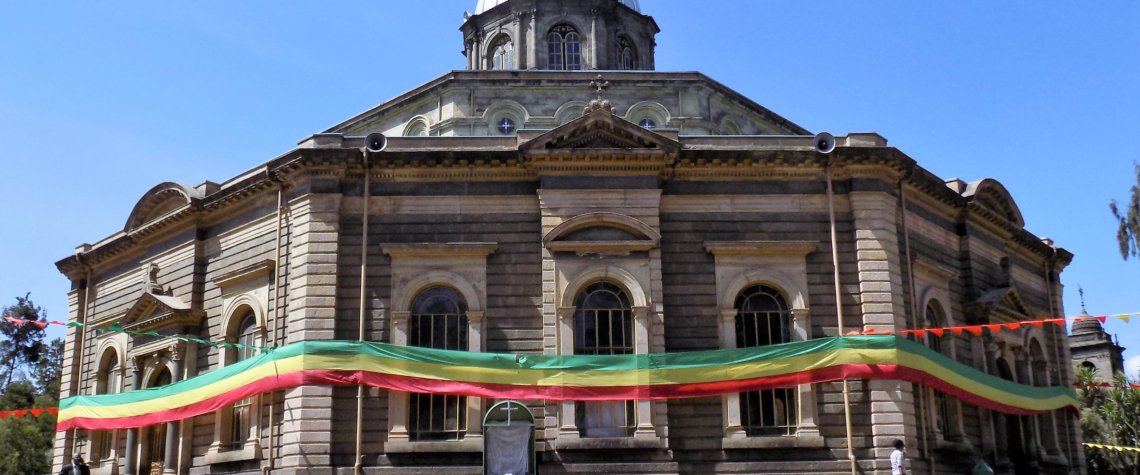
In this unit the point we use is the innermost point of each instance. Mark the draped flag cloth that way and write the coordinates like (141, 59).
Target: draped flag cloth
(551, 377)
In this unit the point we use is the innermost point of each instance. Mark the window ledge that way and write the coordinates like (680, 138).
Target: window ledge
(648, 442)
(953, 446)
(215, 454)
(799, 441)
(470, 443)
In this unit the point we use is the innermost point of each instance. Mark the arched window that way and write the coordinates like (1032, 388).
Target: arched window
(502, 53)
(603, 325)
(416, 128)
(941, 414)
(648, 123)
(763, 318)
(1046, 428)
(109, 380)
(156, 441)
(564, 47)
(241, 422)
(627, 56)
(438, 320)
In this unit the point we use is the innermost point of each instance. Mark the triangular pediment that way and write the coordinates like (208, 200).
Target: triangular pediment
(152, 312)
(1001, 301)
(600, 130)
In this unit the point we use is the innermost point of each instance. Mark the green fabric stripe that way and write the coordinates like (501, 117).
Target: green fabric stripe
(575, 363)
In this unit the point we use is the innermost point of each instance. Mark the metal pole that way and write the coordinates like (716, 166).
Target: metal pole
(80, 343)
(925, 394)
(359, 467)
(839, 313)
(272, 335)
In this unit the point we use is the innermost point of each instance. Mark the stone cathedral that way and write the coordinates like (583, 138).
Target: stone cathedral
(562, 197)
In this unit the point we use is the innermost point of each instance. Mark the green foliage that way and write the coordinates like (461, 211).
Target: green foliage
(1109, 415)
(21, 345)
(1128, 232)
(27, 441)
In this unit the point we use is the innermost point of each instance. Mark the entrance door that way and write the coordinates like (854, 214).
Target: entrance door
(156, 439)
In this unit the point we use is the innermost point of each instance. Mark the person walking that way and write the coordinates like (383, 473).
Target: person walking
(898, 458)
(77, 467)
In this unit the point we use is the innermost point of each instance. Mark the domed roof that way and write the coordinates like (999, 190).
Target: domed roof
(485, 5)
(1087, 325)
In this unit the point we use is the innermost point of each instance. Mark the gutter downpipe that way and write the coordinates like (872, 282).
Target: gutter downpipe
(359, 466)
(1049, 282)
(925, 392)
(839, 311)
(273, 332)
(80, 343)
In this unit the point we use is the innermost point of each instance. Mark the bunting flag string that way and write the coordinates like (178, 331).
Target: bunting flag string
(1112, 447)
(34, 412)
(975, 330)
(117, 328)
(1103, 384)
(978, 330)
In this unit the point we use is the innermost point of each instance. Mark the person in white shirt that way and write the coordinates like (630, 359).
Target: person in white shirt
(898, 458)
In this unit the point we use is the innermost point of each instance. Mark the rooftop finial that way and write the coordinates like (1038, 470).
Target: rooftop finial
(1081, 290)
(600, 84)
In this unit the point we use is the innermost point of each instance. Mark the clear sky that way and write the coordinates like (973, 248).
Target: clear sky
(100, 101)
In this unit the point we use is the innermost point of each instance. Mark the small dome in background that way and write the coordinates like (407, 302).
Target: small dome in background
(1087, 325)
(485, 5)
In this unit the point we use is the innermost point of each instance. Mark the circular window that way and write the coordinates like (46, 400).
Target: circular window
(647, 123)
(506, 126)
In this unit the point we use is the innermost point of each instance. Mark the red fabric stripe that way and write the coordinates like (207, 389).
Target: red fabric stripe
(502, 391)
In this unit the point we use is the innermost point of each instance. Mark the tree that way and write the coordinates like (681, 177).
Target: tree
(27, 441)
(1128, 233)
(1110, 415)
(22, 345)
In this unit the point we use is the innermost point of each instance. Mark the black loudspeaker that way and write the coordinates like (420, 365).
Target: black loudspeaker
(375, 142)
(824, 142)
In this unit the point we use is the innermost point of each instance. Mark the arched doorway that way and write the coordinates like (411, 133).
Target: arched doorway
(155, 449)
(1011, 438)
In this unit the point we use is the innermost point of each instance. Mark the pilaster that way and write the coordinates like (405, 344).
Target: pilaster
(881, 298)
(306, 425)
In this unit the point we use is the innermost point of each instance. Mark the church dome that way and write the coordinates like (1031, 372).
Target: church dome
(1087, 325)
(485, 5)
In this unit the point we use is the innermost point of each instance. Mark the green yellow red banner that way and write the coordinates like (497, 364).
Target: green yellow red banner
(550, 377)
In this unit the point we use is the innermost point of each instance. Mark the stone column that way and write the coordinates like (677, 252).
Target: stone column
(730, 403)
(641, 331)
(169, 464)
(398, 400)
(131, 467)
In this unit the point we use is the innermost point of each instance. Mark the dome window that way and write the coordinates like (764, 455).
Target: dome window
(627, 57)
(503, 54)
(506, 126)
(564, 48)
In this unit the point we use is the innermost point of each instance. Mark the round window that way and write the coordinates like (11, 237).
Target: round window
(506, 126)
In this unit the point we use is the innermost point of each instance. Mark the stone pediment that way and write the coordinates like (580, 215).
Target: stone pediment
(1000, 301)
(600, 130)
(153, 312)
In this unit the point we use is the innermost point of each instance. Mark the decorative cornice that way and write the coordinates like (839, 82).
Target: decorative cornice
(761, 248)
(450, 249)
(245, 274)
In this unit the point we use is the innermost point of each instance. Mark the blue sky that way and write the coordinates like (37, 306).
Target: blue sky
(100, 101)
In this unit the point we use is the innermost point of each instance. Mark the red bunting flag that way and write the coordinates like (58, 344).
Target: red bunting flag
(937, 331)
(1011, 326)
